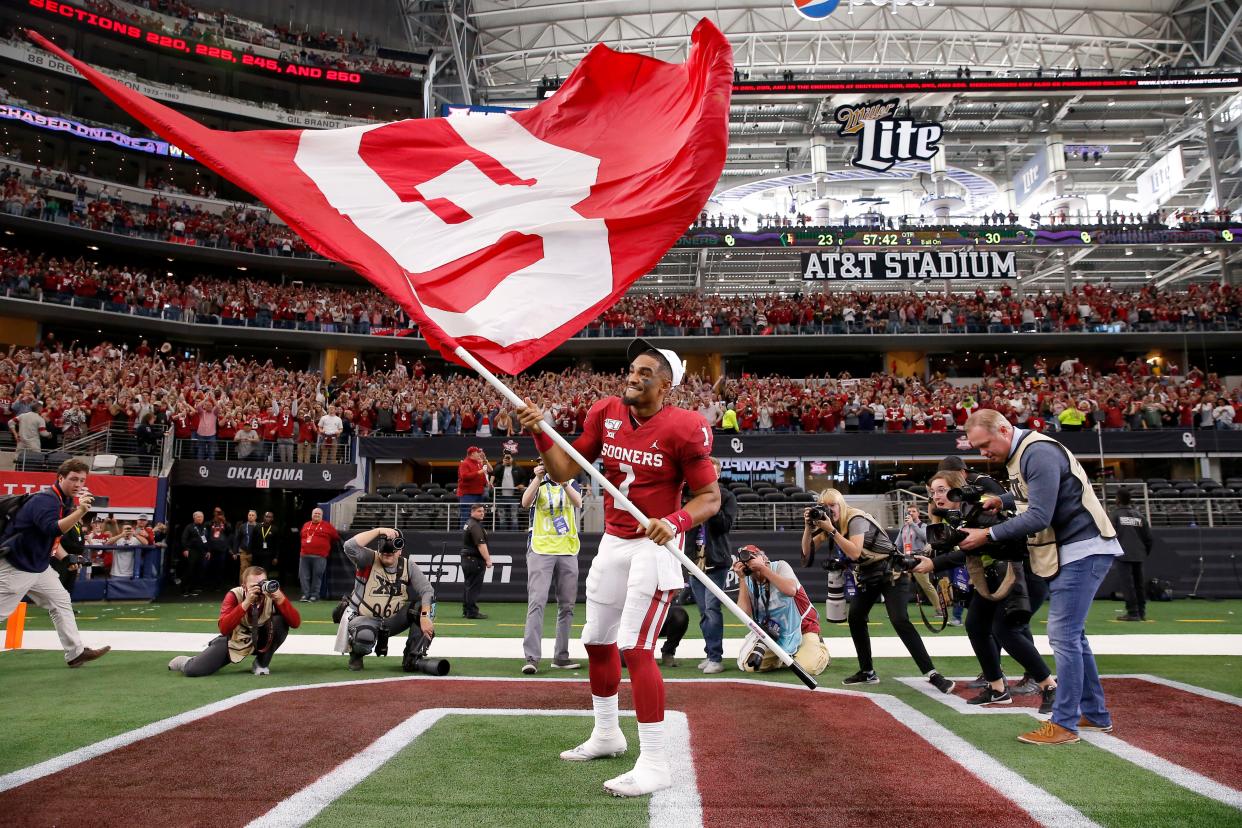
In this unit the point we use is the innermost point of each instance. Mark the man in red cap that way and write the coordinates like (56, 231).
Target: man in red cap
(472, 475)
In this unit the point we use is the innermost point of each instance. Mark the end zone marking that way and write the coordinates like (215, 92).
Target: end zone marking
(1177, 774)
(675, 806)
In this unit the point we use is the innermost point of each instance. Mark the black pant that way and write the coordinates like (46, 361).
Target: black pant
(987, 626)
(1132, 587)
(67, 578)
(1037, 593)
(896, 598)
(190, 568)
(216, 655)
(674, 629)
(472, 571)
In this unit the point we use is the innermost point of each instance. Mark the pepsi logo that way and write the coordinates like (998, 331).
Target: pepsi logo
(816, 9)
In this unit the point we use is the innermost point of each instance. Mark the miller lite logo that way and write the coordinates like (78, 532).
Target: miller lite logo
(882, 139)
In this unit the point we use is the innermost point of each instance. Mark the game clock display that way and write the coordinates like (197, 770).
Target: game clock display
(822, 237)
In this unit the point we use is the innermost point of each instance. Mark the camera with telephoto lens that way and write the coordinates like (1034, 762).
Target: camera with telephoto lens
(816, 514)
(903, 563)
(966, 494)
(755, 660)
(945, 536)
(76, 560)
(416, 661)
(269, 587)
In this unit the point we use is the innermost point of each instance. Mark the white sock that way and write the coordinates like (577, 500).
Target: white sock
(605, 716)
(651, 743)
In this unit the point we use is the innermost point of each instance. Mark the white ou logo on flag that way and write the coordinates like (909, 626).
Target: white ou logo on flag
(531, 302)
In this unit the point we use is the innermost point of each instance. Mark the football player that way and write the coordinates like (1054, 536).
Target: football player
(649, 450)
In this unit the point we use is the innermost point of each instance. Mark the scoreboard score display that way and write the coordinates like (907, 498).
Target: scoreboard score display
(977, 236)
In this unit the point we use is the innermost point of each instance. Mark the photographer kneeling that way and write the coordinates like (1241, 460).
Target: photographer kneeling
(254, 620)
(770, 594)
(381, 605)
(1000, 606)
(878, 571)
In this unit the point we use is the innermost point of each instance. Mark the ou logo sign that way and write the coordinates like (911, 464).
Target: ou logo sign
(575, 271)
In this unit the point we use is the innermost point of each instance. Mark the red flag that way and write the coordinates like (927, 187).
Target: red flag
(505, 234)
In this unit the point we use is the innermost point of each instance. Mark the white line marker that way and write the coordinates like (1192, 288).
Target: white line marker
(678, 805)
(1177, 774)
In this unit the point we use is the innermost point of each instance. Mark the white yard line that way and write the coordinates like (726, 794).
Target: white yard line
(1177, 774)
(450, 645)
(678, 805)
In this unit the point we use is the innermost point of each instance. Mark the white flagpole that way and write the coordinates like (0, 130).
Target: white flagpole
(625, 503)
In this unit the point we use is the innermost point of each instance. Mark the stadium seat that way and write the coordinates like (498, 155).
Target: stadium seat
(1166, 494)
(749, 497)
(775, 497)
(135, 466)
(1207, 483)
(398, 497)
(105, 464)
(802, 497)
(373, 498)
(1153, 482)
(385, 490)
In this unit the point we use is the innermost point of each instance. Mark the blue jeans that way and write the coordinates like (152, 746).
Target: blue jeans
(466, 501)
(1078, 680)
(205, 447)
(711, 620)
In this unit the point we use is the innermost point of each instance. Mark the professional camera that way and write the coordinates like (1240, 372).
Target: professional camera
(416, 661)
(904, 563)
(270, 586)
(944, 537)
(817, 514)
(391, 544)
(966, 494)
(835, 604)
(744, 556)
(755, 660)
(76, 560)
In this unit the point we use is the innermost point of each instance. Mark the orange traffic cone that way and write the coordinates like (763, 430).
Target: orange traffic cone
(15, 627)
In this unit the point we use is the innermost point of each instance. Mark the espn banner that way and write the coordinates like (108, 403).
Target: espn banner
(909, 264)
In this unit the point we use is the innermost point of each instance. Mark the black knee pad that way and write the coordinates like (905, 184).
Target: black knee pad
(362, 640)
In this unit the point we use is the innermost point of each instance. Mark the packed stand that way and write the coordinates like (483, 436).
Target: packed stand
(242, 409)
(348, 52)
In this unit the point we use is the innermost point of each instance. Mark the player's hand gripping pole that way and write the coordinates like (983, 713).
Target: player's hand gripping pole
(624, 502)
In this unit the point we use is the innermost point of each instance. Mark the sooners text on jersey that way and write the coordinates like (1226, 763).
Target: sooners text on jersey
(649, 463)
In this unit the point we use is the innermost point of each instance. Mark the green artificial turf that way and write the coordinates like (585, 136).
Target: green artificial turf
(507, 620)
(508, 777)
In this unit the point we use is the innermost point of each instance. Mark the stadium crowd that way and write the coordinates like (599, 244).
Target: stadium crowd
(347, 51)
(258, 303)
(268, 412)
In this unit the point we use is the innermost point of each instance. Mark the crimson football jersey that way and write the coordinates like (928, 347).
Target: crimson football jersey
(648, 464)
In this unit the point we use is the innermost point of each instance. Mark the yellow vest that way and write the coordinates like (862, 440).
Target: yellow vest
(553, 501)
(241, 642)
(1072, 415)
(1043, 547)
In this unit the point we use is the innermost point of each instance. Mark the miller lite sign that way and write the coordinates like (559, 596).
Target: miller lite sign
(884, 140)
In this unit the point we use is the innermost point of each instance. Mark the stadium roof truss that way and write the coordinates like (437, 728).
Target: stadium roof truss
(521, 41)
(505, 50)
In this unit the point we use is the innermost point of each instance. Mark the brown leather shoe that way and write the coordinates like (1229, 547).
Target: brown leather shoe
(89, 655)
(1086, 724)
(1049, 734)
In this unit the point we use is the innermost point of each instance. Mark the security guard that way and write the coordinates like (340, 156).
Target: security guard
(1134, 535)
(475, 558)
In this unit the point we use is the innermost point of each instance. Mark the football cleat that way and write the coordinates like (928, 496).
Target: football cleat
(644, 779)
(597, 748)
